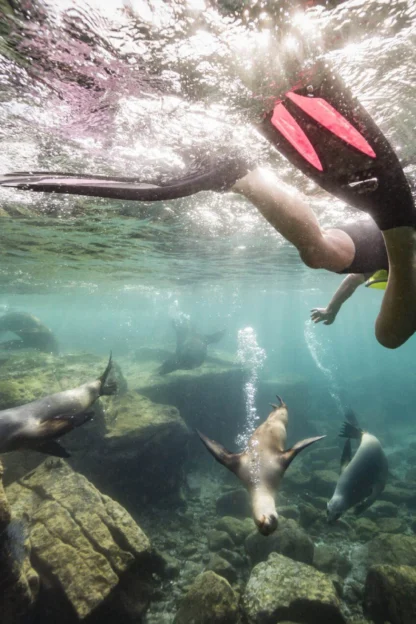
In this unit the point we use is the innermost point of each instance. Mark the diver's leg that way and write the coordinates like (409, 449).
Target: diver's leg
(294, 219)
(396, 321)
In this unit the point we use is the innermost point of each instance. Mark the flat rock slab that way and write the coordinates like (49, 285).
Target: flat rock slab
(82, 542)
(282, 589)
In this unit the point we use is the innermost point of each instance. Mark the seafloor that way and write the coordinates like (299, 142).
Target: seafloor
(140, 525)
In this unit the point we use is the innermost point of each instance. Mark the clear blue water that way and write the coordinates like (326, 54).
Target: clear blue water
(146, 88)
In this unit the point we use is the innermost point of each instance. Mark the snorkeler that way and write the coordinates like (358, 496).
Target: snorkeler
(327, 134)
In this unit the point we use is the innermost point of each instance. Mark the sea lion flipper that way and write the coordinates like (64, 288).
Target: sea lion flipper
(215, 337)
(346, 454)
(51, 447)
(348, 430)
(289, 455)
(220, 453)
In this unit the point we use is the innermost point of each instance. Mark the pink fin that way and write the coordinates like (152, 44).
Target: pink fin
(291, 130)
(332, 120)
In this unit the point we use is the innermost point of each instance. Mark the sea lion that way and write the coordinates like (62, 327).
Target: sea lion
(36, 425)
(363, 477)
(262, 465)
(31, 332)
(191, 347)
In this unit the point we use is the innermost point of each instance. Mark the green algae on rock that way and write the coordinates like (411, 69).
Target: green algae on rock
(210, 600)
(390, 594)
(282, 589)
(85, 546)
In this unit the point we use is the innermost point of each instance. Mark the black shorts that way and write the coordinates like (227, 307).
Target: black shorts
(370, 250)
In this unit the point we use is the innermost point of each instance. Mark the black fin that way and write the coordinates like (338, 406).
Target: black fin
(215, 337)
(350, 431)
(105, 374)
(289, 455)
(168, 366)
(51, 447)
(218, 176)
(346, 454)
(220, 453)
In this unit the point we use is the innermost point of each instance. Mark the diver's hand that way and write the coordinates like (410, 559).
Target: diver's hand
(323, 314)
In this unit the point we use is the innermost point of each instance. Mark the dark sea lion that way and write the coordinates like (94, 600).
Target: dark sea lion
(191, 347)
(363, 477)
(31, 332)
(36, 425)
(262, 465)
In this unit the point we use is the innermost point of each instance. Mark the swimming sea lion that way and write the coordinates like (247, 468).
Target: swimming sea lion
(191, 347)
(31, 332)
(363, 477)
(262, 465)
(36, 425)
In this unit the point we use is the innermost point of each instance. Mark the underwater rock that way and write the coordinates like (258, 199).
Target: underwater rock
(281, 588)
(399, 493)
(222, 567)
(296, 479)
(141, 456)
(323, 482)
(329, 559)
(392, 549)
(237, 529)
(390, 594)
(382, 509)
(88, 550)
(366, 529)
(288, 539)
(234, 503)
(219, 539)
(18, 581)
(310, 515)
(210, 600)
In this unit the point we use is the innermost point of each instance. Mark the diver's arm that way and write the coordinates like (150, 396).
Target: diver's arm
(346, 289)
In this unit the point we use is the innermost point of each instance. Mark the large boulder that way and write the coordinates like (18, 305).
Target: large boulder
(19, 582)
(87, 549)
(210, 600)
(282, 589)
(142, 453)
(392, 549)
(390, 594)
(289, 539)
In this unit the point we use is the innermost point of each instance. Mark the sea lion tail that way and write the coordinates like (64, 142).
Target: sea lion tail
(107, 387)
(289, 455)
(220, 453)
(215, 337)
(349, 430)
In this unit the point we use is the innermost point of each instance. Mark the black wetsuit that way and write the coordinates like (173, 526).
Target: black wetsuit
(370, 250)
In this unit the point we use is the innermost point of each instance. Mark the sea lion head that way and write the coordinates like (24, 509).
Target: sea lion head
(334, 509)
(264, 511)
(267, 524)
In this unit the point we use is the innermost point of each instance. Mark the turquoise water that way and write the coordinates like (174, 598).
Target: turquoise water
(148, 89)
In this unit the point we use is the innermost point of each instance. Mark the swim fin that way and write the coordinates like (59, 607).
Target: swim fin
(324, 131)
(218, 177)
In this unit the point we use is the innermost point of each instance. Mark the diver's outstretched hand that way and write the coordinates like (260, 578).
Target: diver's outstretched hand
(323, 314)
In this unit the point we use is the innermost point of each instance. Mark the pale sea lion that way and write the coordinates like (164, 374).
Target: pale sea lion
(191, 347)
(363, 477)
(36, 425)
(262, 465)
(31, 332)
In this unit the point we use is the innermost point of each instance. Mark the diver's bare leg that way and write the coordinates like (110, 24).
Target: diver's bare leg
(396, 321)
(290, 215)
